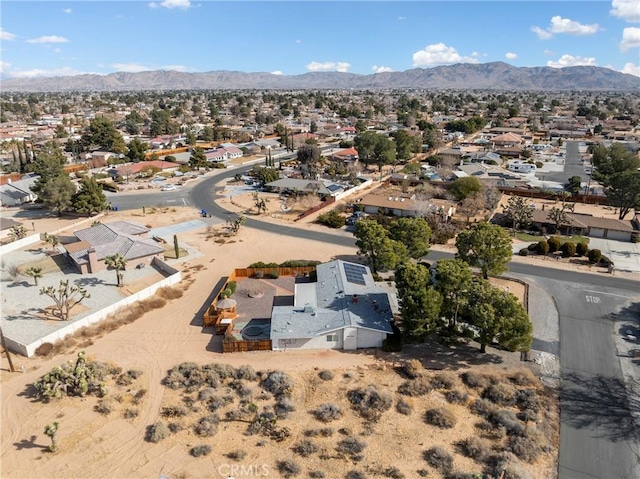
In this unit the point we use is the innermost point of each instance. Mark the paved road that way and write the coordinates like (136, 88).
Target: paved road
(572, 166)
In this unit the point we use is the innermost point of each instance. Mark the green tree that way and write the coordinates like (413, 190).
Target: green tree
(373, 243)
(414, 234)
(518, 212)
(485, 246)
(48, 164)
(57, 193)
(614, 159)
(103, 134)
(90, 199)
(419, 304)
(464, 187)
(406, 145)
(453, 280)
(198, 159)
(575, 184)
(35, 272)
(136, 151)
(50, 430)
(65, 297)
(623, 191)
(266, 175)
(308, 156)
(118, 263)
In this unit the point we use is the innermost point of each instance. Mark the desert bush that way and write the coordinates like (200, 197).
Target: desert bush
(527, 448)
(325, 375)
(173, 411)
(523, 252)
(237, 455)
(605, 261)
(219, 402)
(524, 377)
(169, 292)
(463, 475)
(355, 475)
(554, 244)
(568, 249)
(503, 394)
(104, 406)
(413, 368)
(317, 475)
(482, 407)
(351, 446)
(438, 458)
(207, 426)
(288, 468)
(370, 402)
(393, 473)
(474, 379)
(277, 383)
(130, 413)
(245, 372)
(422, 472)
(154, 302)
(456, 396)
(332, 219)
(201, 450)
(445, 380)
(415, 387)
(223, 371)
(305, 448)
(206, 394)
(594, 255)
(139, 396)
(527, 415)
(440, 417)
(404, 408)
(528, 400)
(283, 407)
(45, 349)
(175, 427)
(508, 420)
(158, 431)
(475, 448)
(582, 249)
(489, 430)
(327, 412)
(542, 247)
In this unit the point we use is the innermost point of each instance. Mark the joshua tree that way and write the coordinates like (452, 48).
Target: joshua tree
(52, 240)
(118, 263)
(176, 246)
(17, 232)
(51, 431)
(235, 227)
(261, 204)
(65, 297)
(35, 272)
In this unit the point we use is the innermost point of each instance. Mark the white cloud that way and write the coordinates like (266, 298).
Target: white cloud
(130, 67)
(439, 54)
(630, 38)
(37, 72)
(298, 41)
(277, 72)
(4, 35)
(67, 10)
(401, 18)
(511, 56)
(4, 66)
(171, 4)
(381, 69)
(627, 10)
(631, 69)
(328, 66)
(48, 39)
(571, 61)
(566, 26)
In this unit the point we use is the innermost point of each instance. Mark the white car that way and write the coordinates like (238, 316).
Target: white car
(168, 188)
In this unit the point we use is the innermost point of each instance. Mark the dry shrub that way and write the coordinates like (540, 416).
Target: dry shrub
(393, 473)
(503, 394)
(440, 417)
(438, 458)
(173, 411)
(169, 292)
(323, 432)
(325, 375)
(351, 446)
(105, 406)
(277, 383)
(327, 412)
(529, 401)
(288, 468)
(457, 396)
(413, 368)
(475, 448)
(416, 387)
(482, 407)
(139, 396)
(524, 377)
(207, 426)
(305, 448)
(237, 455)
(130, 413)
(526, 448)
(283, 407)
(474, 379)
(508, 420)
(201, 450)
(317, 475)
(369, 402)
(206, 394)
(245, 372)
(45, 349)
(403, 407)
(175, 427)
(445, 380)
(158, 431)
(154, 302)
(355, 475)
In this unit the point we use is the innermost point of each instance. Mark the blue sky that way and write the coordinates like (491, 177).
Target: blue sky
(54, 38)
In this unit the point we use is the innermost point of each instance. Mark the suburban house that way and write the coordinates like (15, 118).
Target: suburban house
(343, 309)
(299, 185)
(126, 238)
(5, 226)
(16, 193)
(223, 153)
(405, 204)
(589, 225)
(490, 175)
(518, 166)
(507, 139)
(347, 156)
(166, 141)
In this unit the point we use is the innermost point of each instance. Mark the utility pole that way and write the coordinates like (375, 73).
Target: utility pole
(6, 351)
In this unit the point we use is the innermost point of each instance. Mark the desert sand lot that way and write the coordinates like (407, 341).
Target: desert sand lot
(95, 445)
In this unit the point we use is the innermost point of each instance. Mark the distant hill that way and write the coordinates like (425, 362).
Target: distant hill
(484, 76)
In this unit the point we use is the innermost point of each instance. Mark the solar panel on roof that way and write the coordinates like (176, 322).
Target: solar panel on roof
(355, 273)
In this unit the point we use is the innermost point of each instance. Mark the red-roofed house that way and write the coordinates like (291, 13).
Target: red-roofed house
(350, 155)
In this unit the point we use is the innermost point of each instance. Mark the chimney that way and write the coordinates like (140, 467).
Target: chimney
(354, 299)
(93, 260)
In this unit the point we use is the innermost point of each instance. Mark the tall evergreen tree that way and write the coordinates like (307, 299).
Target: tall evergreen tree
(90, 199)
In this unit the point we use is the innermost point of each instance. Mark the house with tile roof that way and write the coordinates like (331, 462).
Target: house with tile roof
(589, 225)
(342, 309)
(126, 238)
(16, 193)
(347, 156)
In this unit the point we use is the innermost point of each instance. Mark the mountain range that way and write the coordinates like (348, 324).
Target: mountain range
(462, 76)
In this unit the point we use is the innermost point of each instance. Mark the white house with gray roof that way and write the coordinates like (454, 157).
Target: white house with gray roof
(343, 309)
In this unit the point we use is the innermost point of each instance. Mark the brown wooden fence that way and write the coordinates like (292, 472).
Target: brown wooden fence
(532, 193)
(280, 271)
(244, 346)
(323, 204)
(211, 316)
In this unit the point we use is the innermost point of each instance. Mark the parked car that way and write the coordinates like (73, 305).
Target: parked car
(168, 188)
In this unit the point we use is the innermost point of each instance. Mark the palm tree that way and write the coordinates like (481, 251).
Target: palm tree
(118, 263)
(35, 272)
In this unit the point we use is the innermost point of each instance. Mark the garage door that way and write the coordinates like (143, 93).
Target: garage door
(596, 232)
(619, 235)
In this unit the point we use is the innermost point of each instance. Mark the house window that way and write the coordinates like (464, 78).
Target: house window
(332, 338)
